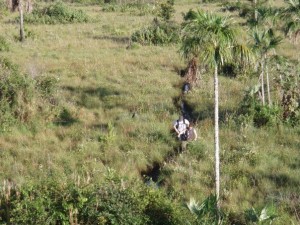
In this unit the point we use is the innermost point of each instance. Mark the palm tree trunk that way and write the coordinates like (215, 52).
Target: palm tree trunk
(22, 33)
(217, 149)
(268, 86)
(262, 82)
(255, 10)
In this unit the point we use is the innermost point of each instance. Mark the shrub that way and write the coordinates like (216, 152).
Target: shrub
(252, 110)
(47, 85)
(159, 33)
(4, 46)
(114, 202)
(55, 14)
(167, 10)
(266, 115)
(3, 8)
(288, 83)
(65, 118)
(22, 97)
(16, 91)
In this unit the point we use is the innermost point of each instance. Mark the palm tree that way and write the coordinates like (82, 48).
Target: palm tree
(255, 10)
(213, 39)
(264, 42)
(292, 14)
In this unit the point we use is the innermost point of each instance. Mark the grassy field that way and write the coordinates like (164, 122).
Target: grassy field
(117, 108)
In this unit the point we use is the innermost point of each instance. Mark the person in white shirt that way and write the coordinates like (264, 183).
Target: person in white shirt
(180, 127)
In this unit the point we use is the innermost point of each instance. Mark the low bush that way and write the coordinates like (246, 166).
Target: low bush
(3, 8)
(114, 202)
(16, 91)
(57, 13)
(288, 86)
(22, 97)
(4, 46)
(167, 10)
(159, 33)
(252, 110)
(266, 115)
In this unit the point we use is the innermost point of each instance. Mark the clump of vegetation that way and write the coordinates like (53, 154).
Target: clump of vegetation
(22, 97)
(112, 202)
(253, 111)
(16, 90)
(57, 13)
(4, 46)
(286, 105)
(160, 32)
(167, 10)
(288, 85)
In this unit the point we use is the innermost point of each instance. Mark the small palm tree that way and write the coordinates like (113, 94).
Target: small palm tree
(206, 211)
(292, 16)
(264, 41)
(265, 216)
(213, 39)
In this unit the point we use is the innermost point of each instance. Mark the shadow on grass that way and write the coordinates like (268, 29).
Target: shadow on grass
(121, 40)
(194, 116)
(152, 173)
(101, 92)
(91, 97)
(101, 127)
(65, 118)
(283, 180)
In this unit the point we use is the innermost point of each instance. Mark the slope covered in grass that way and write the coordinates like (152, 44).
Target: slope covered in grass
(114, 104)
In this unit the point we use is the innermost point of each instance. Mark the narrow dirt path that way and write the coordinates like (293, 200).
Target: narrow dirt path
(153, 172)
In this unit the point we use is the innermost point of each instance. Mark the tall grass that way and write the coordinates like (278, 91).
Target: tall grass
(117, 111)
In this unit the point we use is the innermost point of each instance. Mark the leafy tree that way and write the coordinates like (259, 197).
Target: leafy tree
(212, 38)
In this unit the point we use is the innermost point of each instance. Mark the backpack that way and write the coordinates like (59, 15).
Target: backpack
(184, 136)
(177, 123)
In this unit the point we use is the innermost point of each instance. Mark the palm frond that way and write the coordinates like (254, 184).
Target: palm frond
(265, 40)
(206, 208)
(209, 36)
(243, 54)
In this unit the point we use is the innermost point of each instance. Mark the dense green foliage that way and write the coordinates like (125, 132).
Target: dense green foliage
(22, 97)
(56, 13)
(159, 33)
(4, 46)
(112, 202)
